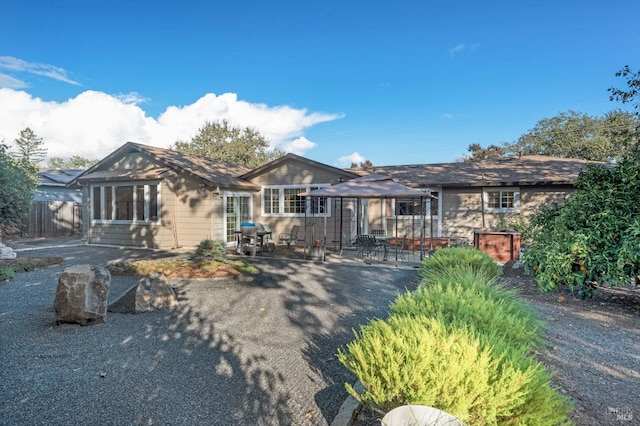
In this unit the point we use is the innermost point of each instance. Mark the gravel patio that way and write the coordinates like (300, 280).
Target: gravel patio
(259, 350)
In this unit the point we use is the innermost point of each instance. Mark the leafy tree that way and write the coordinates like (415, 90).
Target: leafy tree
(594, 238)
(576, 135)
(632, 96)
(30, 147)
(220, 140)
(76, 162)
(480, 153)
(366, 164)
(17, 186)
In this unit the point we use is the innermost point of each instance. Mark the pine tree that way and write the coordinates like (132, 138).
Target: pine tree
(30, 148)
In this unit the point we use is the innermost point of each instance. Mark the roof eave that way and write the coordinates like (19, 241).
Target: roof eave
(506, 183)
(278, 161)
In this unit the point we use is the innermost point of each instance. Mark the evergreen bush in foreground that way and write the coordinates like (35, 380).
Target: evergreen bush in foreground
(460, 343)
(462, 299)
(409, 360)
(450, 259)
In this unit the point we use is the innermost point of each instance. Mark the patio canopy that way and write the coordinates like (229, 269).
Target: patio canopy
(370, 186)
(373, 186)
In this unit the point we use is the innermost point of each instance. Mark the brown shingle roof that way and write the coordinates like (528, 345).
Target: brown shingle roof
(525, 170)
(348, 174)
(212, 172)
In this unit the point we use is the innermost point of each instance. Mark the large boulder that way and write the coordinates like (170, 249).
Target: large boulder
(82, 295)
(154, 292)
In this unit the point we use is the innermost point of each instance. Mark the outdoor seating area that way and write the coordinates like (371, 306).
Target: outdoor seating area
(364, 250)
(290, 237)
(254, 238)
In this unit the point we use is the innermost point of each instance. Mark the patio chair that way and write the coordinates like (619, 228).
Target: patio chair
(289, 237)
(406, 243)
(249, 240)
(367, 247)
(348, 242)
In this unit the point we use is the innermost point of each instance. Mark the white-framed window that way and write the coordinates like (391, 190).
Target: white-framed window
(285, 200)
(126, 203)
(501, 200)
(412, 208)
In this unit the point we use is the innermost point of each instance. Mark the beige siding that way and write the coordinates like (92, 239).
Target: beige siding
(533, 197)
(138, 235)
(193, 207)
(461, 212)
(86, 212)
(297, 173)
(189, 213)
(126, 235)
(462, 208)
(131, 161)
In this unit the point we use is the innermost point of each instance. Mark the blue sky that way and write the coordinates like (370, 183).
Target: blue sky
(394, 82)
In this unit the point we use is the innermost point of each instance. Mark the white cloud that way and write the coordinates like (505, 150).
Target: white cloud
(456, 49)
(11, 83)
(133, 98)
(93, 124)
(10, 63)
(347, 160)
(447, 116)
(460, 47)
(298, 146)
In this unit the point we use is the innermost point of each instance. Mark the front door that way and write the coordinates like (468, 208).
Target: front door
(238, 208)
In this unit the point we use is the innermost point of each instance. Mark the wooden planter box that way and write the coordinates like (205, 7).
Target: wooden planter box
(501, 245)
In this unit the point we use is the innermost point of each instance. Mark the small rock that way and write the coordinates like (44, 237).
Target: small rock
(7, 252)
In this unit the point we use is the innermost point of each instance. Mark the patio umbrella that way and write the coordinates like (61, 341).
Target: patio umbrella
(371, 186)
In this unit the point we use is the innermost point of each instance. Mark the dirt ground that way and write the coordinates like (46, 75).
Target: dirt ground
(593, 350)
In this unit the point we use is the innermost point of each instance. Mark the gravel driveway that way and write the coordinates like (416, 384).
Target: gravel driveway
(257, 351)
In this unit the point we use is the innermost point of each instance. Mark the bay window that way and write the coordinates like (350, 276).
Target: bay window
(125, 203)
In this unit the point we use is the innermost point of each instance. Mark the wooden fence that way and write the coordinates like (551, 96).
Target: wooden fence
(53, 219)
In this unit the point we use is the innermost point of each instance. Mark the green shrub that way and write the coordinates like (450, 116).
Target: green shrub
(420, 360)
(516, 222)
(462, 299)
(460, 343)
(23, 267)
(446, 260)
(590, 240)
(208, 250)
(10, 271)
(7, 273)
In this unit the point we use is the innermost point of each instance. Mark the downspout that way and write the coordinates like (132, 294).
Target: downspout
(341, 220)
(395, 200)
(482, 204)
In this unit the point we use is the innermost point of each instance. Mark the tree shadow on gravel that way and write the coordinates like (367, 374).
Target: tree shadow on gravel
(160, 367)
(235, 386)
(327, 304)
(255, 350)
